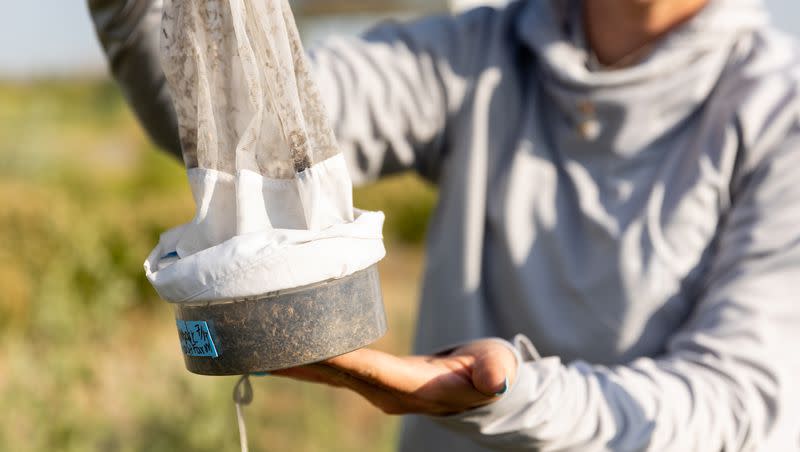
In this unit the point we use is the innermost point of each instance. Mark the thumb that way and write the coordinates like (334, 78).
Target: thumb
(494, 369)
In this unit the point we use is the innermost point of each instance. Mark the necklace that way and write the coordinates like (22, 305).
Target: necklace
(627, 60)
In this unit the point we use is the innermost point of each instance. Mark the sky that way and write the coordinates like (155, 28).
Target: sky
(40, 38)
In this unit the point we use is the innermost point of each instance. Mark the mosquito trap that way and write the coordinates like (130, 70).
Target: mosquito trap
(277, 269)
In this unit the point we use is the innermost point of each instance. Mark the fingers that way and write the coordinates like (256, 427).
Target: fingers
(471, 376)
(385, 370)
(387, 401)
(421, 384)
(312, 373)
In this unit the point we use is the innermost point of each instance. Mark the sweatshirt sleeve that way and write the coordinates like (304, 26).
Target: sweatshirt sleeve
(388, 93)
(723, 379)
(129, 31)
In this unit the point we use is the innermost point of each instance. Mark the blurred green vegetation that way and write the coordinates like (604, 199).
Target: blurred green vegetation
(89, 357)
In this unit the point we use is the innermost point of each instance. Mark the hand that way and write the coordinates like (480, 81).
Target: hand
(470, 376)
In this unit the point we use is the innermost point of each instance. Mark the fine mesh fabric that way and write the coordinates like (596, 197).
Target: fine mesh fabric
(242, 89)
(274, 198)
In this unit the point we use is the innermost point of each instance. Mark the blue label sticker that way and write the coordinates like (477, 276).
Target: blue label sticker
(196, 338)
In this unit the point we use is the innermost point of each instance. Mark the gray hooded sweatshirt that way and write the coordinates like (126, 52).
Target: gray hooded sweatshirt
(640, 226)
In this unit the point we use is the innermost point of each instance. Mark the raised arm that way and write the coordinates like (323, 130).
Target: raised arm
(388, 93)
(391, 91)
(129, 32)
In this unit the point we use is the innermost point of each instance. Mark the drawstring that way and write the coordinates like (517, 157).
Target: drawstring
(242, 396)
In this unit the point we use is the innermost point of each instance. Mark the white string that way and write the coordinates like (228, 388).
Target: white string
(242, 396)
(242, 428)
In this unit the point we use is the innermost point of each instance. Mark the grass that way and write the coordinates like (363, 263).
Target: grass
(90, 357)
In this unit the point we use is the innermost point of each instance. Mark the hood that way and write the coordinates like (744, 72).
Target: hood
(659, 92)
(553, 30)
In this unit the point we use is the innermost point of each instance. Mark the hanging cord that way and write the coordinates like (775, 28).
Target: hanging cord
(242, 396)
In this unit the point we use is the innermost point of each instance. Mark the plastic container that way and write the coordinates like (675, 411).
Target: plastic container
(283, 329)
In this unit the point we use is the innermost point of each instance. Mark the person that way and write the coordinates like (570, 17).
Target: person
(617, 187)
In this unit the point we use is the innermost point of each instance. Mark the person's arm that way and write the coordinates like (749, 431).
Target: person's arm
(129, 31)
(388, 93)
(723, 378)
(720, 385)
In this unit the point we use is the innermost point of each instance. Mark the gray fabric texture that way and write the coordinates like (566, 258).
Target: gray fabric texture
(641, 226)
(128, 30)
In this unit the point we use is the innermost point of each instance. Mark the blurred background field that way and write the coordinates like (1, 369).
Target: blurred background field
(89, 356)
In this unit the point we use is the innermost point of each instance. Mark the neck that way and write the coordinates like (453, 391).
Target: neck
(617, 29)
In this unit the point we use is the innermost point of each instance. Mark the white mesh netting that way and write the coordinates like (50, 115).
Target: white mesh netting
(242, 88)
(274, 199)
